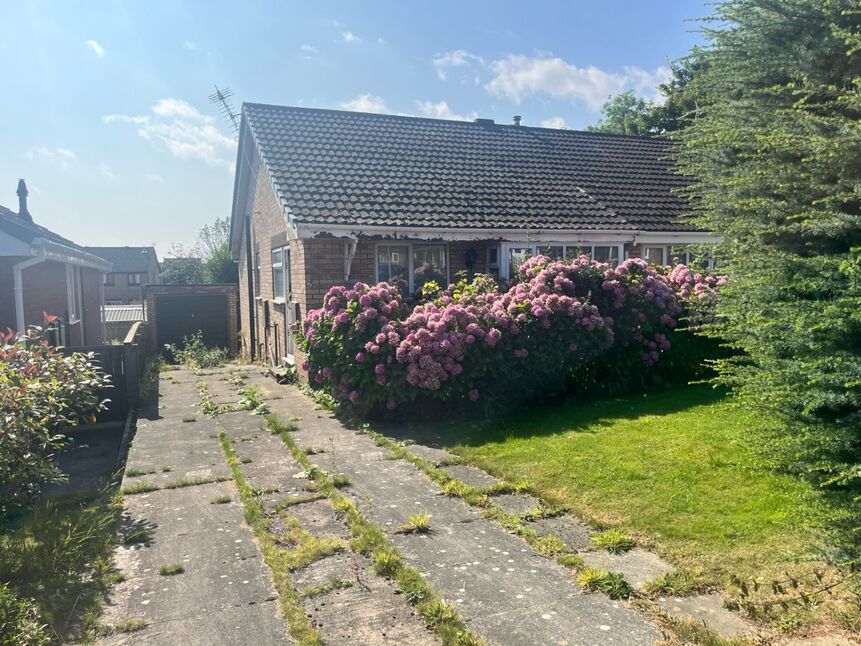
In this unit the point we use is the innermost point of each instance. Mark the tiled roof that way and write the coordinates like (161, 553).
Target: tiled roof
(134, 260)
(353, 168)
(25, 231)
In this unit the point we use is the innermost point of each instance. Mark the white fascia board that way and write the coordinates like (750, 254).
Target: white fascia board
(61, 253)
(678, 238)
(503, 235)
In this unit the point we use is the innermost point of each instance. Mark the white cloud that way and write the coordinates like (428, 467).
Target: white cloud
(94, 45)
(441, 110)
(190, 45)
(517, 77)
(554, 122)
(105, 171)
(158, 179)
(459, 58)
(350, 37)
(183, 130)
(63, 156)
(308, 48)
(366, 103)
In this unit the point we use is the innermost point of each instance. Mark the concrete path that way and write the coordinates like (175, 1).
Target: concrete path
(224, 595)
(505, 593)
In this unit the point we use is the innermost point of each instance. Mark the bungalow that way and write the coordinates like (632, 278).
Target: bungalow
(42, 272)
(325, 197)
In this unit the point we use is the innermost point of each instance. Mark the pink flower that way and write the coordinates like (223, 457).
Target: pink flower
(391, 404)
(360, 357)
(354, 396)
(380, 369)
(473, 394)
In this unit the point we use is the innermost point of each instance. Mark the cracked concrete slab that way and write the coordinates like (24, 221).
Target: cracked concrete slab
(574, 534)
(637, 565)
(431, 453)
(341, 566)
(319, 518)
(516, 504)
(470, 475)
(708, 608)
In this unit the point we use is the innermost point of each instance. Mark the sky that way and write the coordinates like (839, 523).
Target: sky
(105, 111)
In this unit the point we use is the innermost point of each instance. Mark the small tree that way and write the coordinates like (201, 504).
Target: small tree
(626, 114)
(213, 247)
(41, 391)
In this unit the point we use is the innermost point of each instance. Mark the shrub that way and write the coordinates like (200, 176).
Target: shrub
(476, 341)
(196, 355)
(41, 391)
(20, 623)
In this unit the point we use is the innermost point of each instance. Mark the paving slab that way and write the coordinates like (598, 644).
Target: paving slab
(505, 592)
(243, 624)
(338, 566)
(516, 504)
(637, 565)
(470, 475)
(574, 534)
(373, 613)
(319, 518)
(708, 608)
(431, 453)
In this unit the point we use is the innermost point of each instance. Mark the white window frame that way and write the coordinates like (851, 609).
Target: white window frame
(665, 260)
(685, 256)
(284, 266)
(410, 263)
(588, 248)
(73, 293)
(138, 279)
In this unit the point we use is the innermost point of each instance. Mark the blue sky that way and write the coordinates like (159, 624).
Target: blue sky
(105, 110)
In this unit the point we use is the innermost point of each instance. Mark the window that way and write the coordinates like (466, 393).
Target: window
(409, 266)
(393, 265)
(281, 286)
(605, 253)
(695, 257)
(108, 280)
(429, 264)
(135, 279)
(73, 292)
(653, 255)
(492, 265)
(516, 254)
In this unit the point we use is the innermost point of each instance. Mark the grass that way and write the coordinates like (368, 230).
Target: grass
(134, 472)
(171, 569)
(189, 418)
(220, 500)
(611, 584)
(615, 541)
(675, 468)
(417, 523)
(125, 626)
(140, 487)
(61, 555)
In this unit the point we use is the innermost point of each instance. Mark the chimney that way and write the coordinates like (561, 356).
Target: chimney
(23, 213)
(483, 122)
(517, 119)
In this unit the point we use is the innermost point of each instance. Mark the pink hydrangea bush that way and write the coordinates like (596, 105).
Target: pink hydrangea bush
(475, 340)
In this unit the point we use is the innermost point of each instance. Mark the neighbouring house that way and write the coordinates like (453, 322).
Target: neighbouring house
(119, 319)
(133, 267)
(42, 272)
(326, 197)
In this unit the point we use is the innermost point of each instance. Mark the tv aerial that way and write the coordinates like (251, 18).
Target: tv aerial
(221, 98)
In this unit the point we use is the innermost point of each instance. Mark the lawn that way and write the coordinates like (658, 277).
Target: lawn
(673, 467)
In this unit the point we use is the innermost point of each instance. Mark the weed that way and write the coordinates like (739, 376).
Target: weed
(140, 487)
(171, 569)
(221, 500)
(387, 563)
(455, 488)
(615, 541)
(340, 481)
(323, 588)
(571, 561)
(166, 469)
(610, 583)
(548, 545)
(418, 523)
(189, 418)
(191, 482)
(680, 582)
(252, 401)
(134, 472)
(138, 535)
(194, 353)
(437, 612)
(124, 626)
(289, 502)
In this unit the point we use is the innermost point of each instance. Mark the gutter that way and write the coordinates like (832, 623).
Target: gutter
(17, 270)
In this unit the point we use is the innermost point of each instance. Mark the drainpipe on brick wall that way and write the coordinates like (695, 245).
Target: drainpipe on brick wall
(17, 270)
(249, 271)
(349, 253)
